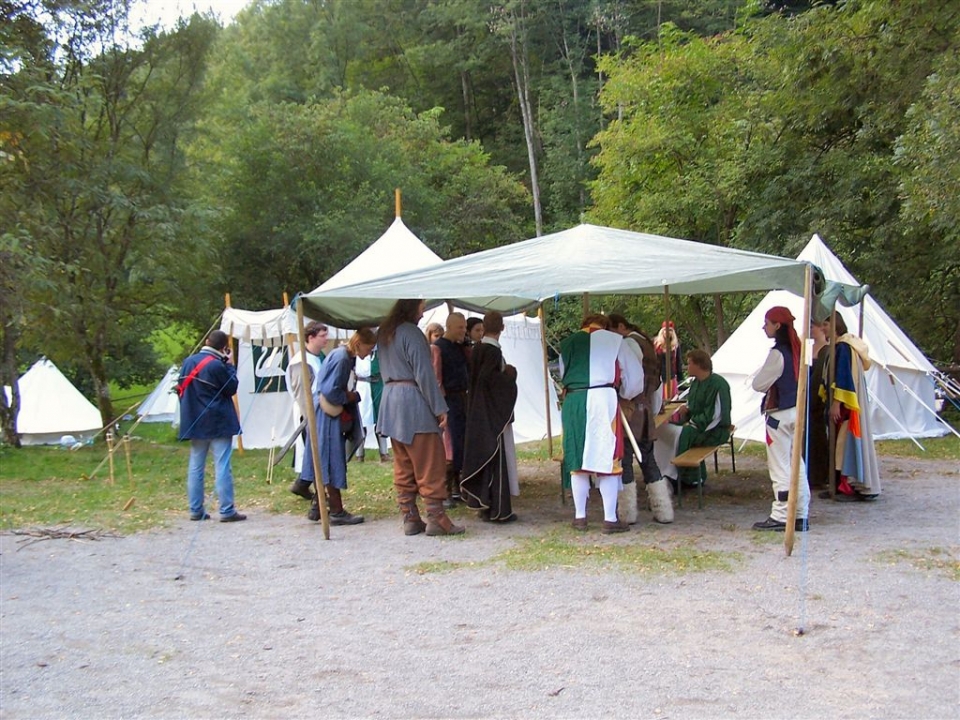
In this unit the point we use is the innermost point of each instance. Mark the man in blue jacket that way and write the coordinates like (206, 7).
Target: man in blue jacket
(208, 382)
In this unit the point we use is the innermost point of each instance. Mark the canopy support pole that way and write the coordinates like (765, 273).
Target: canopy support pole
(546, 377)
(798, 431)
(312, 428)
(668, 348)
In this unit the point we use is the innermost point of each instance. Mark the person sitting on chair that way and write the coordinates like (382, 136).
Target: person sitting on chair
(703, 421)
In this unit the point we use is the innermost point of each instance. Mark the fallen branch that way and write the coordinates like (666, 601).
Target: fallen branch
(59, 533)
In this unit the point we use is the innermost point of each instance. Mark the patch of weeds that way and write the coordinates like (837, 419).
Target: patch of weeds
(934, 559)
(766, 537)
(437, 566)
(558, 550)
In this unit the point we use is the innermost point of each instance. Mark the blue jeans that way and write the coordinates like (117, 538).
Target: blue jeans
(222, 450)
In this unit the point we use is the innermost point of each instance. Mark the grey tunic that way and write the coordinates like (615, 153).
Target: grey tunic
(410, 406)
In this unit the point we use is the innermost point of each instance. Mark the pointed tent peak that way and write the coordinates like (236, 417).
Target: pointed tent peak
(397, 250)
(51, 406)
(817, 252)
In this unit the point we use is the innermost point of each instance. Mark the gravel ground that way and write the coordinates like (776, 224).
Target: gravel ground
(265, 619)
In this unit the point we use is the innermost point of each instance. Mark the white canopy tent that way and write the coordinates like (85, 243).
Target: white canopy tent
(162, 405)
(51, 407)
(584, 259)
(899, 383)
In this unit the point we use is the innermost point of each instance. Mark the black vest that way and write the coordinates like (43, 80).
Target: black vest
(453, 360)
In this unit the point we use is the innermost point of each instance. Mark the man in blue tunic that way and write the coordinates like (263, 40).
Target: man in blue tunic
(338, 420)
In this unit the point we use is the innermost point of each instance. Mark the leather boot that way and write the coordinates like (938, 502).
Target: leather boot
(453, 488)
(658, 494)
(412, 524)
(313, 513)
(438, 523)
(627, 505)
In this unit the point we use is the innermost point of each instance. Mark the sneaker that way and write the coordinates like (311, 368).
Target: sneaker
(302, 488)
(200, 516)
(345, 518)
(236, 517)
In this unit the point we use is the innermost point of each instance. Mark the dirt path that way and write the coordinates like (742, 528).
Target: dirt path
(268, 620)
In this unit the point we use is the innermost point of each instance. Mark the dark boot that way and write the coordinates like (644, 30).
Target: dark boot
(437, 521)
(302, 488)
(412, 524)
(453, 487)
(339, 516)
(313, 514)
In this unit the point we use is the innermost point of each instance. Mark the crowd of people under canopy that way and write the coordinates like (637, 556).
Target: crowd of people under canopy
(445, 397)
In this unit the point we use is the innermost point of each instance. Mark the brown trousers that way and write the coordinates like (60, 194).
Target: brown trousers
(420, 468)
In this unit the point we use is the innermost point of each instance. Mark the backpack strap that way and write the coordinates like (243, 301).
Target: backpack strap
(185, 383)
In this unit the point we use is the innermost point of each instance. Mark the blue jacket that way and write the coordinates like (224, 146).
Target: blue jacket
(206, 406)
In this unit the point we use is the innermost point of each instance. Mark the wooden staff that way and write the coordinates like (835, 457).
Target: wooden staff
(312, 426)
(790, 530)
(233, 353)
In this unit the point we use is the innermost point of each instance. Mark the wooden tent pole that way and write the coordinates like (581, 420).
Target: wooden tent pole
(396, 200)
(233, 352)
(800, 427)
(668, 348)
(546, 377)
(312, 427)
(831, 426)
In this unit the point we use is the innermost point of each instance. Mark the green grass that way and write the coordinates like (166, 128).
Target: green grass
(566, 549)
(50, 486)
(934, 559)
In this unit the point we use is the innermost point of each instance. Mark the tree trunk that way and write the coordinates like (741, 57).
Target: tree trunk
(518, 54)
(9, 376)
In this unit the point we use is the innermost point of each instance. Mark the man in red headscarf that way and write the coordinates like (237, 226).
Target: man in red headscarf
(777, 379)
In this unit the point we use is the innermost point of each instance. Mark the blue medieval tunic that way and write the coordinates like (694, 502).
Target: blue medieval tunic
(334, 431)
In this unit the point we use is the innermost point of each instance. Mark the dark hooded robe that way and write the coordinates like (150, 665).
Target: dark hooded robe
(489, 458)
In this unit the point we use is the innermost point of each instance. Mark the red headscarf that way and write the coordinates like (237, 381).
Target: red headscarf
(782, 315)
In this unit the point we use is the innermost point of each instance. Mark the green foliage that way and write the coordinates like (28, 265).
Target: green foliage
(330, 169)
(96, 198)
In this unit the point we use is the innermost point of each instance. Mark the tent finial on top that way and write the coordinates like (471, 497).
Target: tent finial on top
(397, 196)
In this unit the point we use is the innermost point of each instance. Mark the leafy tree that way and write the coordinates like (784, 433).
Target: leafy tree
(306, 188)
(96, 193)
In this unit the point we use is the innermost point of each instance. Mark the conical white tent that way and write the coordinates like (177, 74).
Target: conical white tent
(51, 407)
(162, 405)
(899, 384)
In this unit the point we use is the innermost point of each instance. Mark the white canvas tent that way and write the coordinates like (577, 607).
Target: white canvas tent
(51, 407)
(268, 418)
(898, 383)
(162, 404)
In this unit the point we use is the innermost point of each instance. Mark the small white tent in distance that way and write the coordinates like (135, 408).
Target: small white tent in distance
(51, 407)
(899, 384)
(162, 404)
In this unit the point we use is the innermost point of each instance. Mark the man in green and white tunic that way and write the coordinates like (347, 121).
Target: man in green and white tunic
(596, 369)
(704, 420)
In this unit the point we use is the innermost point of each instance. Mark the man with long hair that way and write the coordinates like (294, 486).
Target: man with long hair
(778, 379)
(413, 414)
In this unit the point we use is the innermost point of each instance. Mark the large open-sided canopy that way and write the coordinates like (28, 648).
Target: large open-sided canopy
(584, 259)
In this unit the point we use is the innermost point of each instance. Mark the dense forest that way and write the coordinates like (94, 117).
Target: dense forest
(148, 171)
